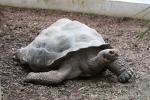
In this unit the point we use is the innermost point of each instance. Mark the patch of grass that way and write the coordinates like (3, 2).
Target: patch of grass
(147, 31)
(142, 34)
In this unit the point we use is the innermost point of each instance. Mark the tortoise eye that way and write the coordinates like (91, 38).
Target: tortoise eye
(111, 52)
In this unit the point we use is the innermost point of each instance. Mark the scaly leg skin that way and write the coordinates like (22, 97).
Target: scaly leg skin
(123, 74)
(51, 77)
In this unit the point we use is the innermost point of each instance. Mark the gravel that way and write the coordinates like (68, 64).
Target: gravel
(19, 26)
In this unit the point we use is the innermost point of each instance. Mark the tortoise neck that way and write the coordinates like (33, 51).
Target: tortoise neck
(98, 61)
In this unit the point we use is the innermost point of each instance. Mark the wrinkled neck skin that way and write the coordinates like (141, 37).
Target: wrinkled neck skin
(97, 63)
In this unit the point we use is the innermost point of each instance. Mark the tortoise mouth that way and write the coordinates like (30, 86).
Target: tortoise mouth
(112, 59)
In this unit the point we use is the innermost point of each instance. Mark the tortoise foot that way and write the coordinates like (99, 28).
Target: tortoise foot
(125, 76)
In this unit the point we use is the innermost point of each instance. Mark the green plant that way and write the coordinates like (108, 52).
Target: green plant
(147, 31)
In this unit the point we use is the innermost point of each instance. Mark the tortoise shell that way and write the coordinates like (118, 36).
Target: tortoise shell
(58, 42)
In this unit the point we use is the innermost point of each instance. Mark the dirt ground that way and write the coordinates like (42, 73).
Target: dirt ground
(18, 27)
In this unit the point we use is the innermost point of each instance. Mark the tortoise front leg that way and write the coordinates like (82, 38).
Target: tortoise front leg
(123, 74)
(51, 77)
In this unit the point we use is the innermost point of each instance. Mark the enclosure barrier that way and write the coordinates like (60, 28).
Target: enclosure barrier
(120, 8)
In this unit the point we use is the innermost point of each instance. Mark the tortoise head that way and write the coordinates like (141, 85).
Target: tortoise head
(20, 56)
(108, 55)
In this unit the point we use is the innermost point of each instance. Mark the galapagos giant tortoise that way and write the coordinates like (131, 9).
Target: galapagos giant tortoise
(69, 49)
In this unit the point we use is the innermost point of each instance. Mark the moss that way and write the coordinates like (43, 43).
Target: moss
(82, 2)
(46, 1)
(7, 5)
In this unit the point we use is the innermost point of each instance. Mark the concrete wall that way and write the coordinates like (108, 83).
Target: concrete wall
(121, 8)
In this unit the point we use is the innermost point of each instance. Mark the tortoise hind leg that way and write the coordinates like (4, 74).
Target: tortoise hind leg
(51, 77)
(123, 74)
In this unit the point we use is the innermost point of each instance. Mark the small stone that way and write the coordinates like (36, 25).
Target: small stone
(135, 45)
(22, 89)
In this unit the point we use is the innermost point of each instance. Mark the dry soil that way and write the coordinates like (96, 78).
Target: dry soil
(19, 26)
